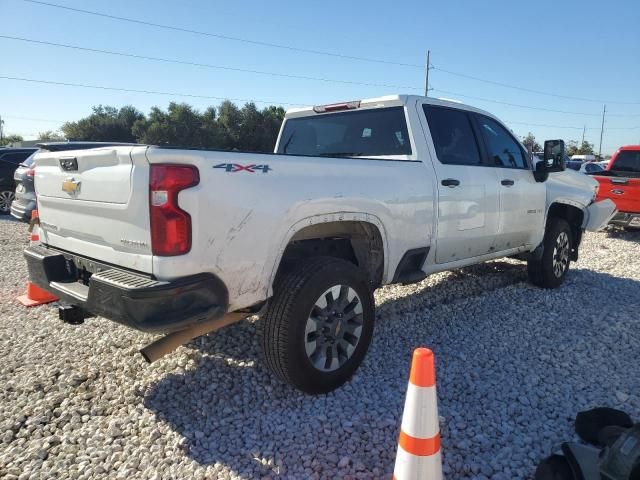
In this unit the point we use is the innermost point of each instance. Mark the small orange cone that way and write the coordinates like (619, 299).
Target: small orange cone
(35, 295)
(418, 454)
(34, 228)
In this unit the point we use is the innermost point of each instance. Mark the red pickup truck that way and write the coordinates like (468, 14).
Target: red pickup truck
(621, 183)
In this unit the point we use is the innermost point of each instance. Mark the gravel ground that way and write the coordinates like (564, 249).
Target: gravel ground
(515, 364)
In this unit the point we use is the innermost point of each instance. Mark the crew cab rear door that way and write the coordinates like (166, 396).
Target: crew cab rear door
(468, 208)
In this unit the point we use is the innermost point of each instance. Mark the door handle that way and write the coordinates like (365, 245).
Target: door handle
(620, 181)
(507, 182)
(450, 182)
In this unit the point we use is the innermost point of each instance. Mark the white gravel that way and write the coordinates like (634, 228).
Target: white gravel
(515, 363)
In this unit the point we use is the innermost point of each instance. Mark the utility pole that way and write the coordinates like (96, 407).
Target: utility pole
(1, 123)
(604, 111)
(426, 84)
(583, 129)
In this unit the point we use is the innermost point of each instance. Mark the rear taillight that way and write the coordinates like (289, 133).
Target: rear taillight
(170, 225)
(31, 172)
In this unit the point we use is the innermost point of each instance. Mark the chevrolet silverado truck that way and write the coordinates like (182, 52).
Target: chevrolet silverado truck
(357, 195)
(620, 182)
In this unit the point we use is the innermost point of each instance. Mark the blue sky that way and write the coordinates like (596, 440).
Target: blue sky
(583, 49)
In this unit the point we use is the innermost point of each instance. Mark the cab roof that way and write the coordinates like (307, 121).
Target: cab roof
(385, 101)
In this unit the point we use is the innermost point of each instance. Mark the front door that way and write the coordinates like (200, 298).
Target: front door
(522, 199)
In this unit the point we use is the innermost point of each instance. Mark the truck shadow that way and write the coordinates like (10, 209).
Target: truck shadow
(230, 411)
(621, 234)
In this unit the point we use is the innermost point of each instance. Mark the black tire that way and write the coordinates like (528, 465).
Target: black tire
(6, 197)
(283, 330)
(544, 272)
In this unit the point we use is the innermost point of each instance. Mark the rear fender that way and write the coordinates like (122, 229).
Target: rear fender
(330, 217)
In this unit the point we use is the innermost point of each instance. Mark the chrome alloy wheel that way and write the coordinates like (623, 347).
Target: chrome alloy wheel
(561, 255)
(334, 328)
(6, 197)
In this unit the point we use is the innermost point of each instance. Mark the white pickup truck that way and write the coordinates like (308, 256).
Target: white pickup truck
(357, 195)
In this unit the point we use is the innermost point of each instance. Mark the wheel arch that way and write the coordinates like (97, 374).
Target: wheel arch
(357, 237)
(574, 216)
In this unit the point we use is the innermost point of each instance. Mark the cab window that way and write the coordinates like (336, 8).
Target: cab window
(502, 149)
(452, 135)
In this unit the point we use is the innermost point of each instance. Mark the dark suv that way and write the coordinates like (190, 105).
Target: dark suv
(10, 158)
(25, 195)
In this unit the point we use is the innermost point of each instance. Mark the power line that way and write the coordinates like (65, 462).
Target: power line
(210, 97)
(286, 75)
(205, 65)
(539, 92)
(31, 119)
(516, 104)
(150, 92)
(312, 51)
(223, 37)
(567, 126)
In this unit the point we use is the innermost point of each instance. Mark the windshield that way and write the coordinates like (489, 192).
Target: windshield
(372, 132)
(627, 161)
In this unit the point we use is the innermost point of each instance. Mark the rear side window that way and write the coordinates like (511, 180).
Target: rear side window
(453, 136)
(502, 149)
(370, 133)
(627, 161)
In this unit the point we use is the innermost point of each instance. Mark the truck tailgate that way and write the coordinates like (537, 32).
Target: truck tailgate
(624, 191)
(95, 203)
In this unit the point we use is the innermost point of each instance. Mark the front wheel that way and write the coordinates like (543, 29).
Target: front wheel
(551, 270)
(318, 325)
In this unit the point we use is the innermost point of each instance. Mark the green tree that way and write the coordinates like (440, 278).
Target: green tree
(105, 124)
(230, 121)
(181, 125)
(50, 136)
(272, 118)
(586, 148)
(572, 147)
(530, 142)
(225, 128)
(10, 139)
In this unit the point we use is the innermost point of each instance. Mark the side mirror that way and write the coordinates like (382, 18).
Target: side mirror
(554, 154)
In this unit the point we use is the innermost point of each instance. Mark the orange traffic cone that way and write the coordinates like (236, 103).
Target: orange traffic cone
(418, 454)
(35, 295)
(34, 228)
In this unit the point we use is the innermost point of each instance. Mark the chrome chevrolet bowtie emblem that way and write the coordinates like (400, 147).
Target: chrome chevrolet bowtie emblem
(71, 186)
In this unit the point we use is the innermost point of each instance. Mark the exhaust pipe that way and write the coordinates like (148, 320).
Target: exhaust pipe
(167, 344)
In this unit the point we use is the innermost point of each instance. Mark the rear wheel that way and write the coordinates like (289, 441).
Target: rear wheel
(6, 197)
(551, 270)
(318, 325)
